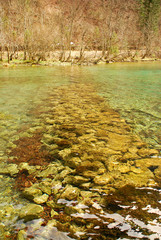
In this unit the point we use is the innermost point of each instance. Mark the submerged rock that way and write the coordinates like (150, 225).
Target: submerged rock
(64, 173)
(48, 138)
(157, 172)
(145, 152)
(56, 186)
(2, 232)
(46, 186)
(28, 168)
(10, 169)
(70, 193)
(30, 212)
(51, 170)
(77, 180)
(21, 235)
(32, 192)
(41, 199)
(73, 162)
(65, 153)
(54, 213)
(103, 179)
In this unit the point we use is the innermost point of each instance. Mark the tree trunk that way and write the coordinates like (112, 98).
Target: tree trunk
(8, 55)
(24, 58)
(11, 57)
(1, 56)
(62, 55)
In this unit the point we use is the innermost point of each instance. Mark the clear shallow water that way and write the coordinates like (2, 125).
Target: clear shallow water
(134, 89)
(127, 87)
(21, 90)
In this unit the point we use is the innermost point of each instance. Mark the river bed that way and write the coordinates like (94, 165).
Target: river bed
(60, 116)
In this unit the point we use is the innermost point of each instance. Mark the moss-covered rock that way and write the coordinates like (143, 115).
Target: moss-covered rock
(51, 170)
(65, 153)
(21, 235)
(56, 186)
(64, 173)
(10, 169)
(41, 199)
(145, 152)
(30, 212)
(103, 179)
(75, 180)
(53, 213)
(28, 168)
(32, 192)
(46, 186)
(73, 162)
(70, 193)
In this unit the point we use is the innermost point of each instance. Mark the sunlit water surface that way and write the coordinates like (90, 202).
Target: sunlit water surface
(132, 89)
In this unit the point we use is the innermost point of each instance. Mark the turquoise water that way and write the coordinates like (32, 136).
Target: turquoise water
(134, 90)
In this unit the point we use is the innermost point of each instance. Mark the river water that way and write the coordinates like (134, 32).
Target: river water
(133, 90)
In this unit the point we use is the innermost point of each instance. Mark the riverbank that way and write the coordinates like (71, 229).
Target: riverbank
(87, 58)
(75, 168)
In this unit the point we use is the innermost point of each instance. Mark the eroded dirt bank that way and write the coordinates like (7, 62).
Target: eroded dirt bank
(75, 168)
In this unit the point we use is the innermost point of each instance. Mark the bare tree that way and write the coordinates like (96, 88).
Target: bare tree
(71, 12)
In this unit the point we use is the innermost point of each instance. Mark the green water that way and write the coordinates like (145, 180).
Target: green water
(132, 89)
